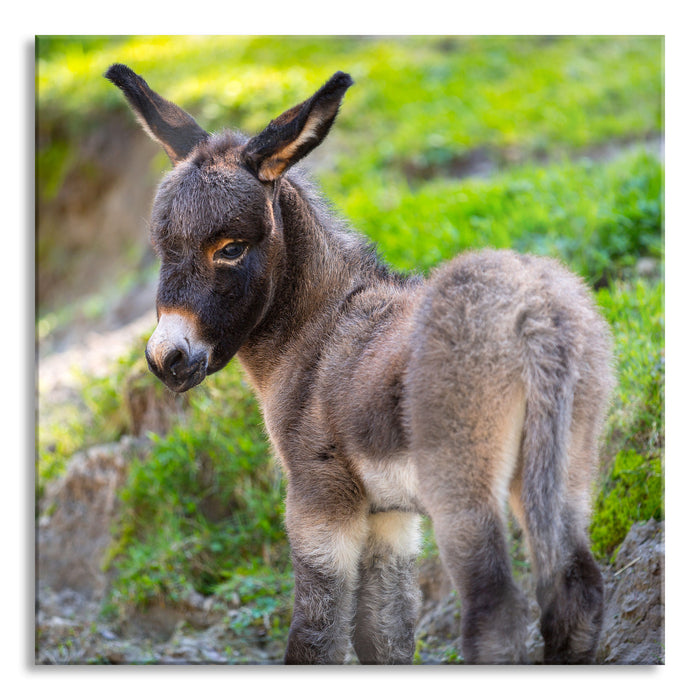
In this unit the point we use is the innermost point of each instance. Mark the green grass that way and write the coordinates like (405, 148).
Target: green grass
(470, 88)
(204, 511)
(635, 311)
(631, 489)
(416, 100)
(597, 218)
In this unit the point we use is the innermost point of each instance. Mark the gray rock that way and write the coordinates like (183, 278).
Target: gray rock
(633, 628)
(78, 510)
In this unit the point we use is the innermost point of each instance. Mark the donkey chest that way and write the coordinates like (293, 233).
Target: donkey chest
(390, 484)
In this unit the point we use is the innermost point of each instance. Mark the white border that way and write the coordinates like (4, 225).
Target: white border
(673, 19)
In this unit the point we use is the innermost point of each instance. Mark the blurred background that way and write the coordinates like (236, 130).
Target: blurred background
(157, 513)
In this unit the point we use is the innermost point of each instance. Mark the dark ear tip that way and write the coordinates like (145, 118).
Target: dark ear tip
(118, 73)
(340, 80)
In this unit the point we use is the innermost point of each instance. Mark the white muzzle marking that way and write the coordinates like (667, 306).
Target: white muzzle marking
(176, 329)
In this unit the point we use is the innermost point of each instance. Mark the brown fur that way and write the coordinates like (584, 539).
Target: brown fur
(387, 396)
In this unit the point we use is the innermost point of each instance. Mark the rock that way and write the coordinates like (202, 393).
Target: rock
(74, 530)
(647, 267)
(152, 407)
(633, 627)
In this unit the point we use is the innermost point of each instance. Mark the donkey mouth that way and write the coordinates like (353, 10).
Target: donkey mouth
(188, 377)
(178, 371)
(188, 383)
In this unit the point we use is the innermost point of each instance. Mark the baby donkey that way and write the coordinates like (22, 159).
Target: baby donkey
(385, 396)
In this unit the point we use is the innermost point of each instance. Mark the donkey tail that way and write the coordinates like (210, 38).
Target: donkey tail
(550, 379)
(569, 584)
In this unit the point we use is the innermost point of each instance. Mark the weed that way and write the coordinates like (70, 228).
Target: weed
(631, 489)
(206, 503)
(635, 310)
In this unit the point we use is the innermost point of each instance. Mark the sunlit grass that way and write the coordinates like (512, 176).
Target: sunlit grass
(467, 90)
(597, 218)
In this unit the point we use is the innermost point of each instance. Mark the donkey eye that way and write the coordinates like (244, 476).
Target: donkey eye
(231, 251)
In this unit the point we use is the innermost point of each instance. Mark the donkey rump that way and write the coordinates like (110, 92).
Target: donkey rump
(385, 396)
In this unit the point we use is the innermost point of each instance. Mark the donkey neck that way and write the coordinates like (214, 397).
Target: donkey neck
(323, 264)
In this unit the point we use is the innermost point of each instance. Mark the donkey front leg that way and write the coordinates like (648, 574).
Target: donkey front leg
(326, 548)
(388, 597)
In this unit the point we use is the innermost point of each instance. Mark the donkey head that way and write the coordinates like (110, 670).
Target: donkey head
(216, 225)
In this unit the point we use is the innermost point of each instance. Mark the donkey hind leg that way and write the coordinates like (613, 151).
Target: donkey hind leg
(326, 553)
(387, 595)
(570, 589)
(464, 483)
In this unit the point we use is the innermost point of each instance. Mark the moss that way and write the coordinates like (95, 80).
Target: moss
(632, 492)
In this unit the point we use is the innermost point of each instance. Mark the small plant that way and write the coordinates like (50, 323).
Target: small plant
(452, 655)
(206, 504)
(420, 645)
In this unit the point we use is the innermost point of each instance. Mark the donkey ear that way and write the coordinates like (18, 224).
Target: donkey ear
(295, 133)
(165, 122)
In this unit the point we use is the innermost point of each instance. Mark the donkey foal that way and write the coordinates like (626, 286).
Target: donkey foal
(385, 396)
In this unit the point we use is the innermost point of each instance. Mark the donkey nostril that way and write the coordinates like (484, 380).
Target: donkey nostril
(174, 361)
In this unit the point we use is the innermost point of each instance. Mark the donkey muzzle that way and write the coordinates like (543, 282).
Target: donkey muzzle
(175, 355)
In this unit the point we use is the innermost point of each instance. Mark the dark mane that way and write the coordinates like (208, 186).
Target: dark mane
(362, 250)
